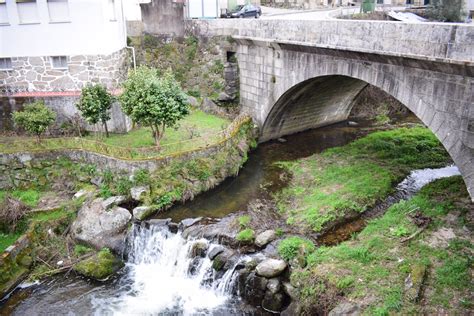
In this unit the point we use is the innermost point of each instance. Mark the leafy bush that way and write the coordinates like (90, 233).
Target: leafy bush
(94, 104)
(291, 247)
(35, 118)
(153, 101)
(247, 235)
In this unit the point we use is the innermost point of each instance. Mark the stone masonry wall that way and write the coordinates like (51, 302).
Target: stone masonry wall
(36, 74)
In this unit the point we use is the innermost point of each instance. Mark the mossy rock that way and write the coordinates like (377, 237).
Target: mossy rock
(100, 266)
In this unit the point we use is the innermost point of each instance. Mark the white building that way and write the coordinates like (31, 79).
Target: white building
(50, 49)
(60, 45)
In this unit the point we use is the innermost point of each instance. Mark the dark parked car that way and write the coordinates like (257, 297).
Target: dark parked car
(245, 11)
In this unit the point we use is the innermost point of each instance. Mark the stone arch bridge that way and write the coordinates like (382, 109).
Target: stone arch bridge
(296, 75)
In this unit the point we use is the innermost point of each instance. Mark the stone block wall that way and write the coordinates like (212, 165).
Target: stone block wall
(443, 42)
(36, 74)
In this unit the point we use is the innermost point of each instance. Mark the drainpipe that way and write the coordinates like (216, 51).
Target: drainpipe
(133, 55)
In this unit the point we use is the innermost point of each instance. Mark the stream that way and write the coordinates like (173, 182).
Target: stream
(164, 276)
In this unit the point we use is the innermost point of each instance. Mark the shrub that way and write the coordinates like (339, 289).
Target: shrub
(247, 235)
(35, 118)
(94, 104)
(291, 247)
(153, 101)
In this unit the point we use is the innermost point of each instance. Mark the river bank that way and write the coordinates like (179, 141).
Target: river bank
(399, 263)
(241, 212)
(341, 183)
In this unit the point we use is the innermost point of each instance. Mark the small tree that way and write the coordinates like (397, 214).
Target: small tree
(95, 104)
(35, 118)
(154, 101)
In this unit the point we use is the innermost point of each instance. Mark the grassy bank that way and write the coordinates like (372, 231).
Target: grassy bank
(195, 131)
(430, 274)
(197, 124)
(344, 181)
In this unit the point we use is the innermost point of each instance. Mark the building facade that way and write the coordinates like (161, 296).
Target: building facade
(52, 48)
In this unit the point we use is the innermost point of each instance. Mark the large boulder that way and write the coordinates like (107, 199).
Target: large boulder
(273, 302)
(270, 268)
(254, 289)
(100, 224)
(100, 266)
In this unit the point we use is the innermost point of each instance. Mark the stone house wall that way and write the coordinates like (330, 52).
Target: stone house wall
(36, 74)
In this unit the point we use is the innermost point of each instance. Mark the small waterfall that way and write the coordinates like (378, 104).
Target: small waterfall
(163, 277)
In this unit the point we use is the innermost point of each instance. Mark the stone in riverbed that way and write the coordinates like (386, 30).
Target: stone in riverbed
(113, 201)
(290, 290)
(215, 251)
(274, 285)
(100, 266)
(254, 290)
(188, 222)
(100, 227)
(265, 238)
(270, 268)
(199, 249)
(273, 302)
(141, 212)
(138, 193)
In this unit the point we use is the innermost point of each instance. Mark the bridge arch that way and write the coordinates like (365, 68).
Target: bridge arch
(315, 99)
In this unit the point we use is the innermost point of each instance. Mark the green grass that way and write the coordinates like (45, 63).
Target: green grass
(247, 235)
(291, 247)
(347, 180)
(195, 131)
(7, 240)
(200, 123)
(30, 197)
(373, 266)
(244, 221)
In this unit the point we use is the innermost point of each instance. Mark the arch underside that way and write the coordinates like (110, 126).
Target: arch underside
(312, 103)
(329, 99)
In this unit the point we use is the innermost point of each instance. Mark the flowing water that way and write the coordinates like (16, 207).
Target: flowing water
(164, 274)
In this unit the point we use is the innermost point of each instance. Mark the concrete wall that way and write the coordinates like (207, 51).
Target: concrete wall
(163, 17)
(88, 29)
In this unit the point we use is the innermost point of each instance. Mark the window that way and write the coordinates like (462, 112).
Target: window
(58, 10)
(59, 62)
(112, 16)
(27, 11)
(6, 64)
(3, 12)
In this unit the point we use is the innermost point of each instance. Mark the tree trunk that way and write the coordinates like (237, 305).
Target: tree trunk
(106, 129)
(156, 135)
